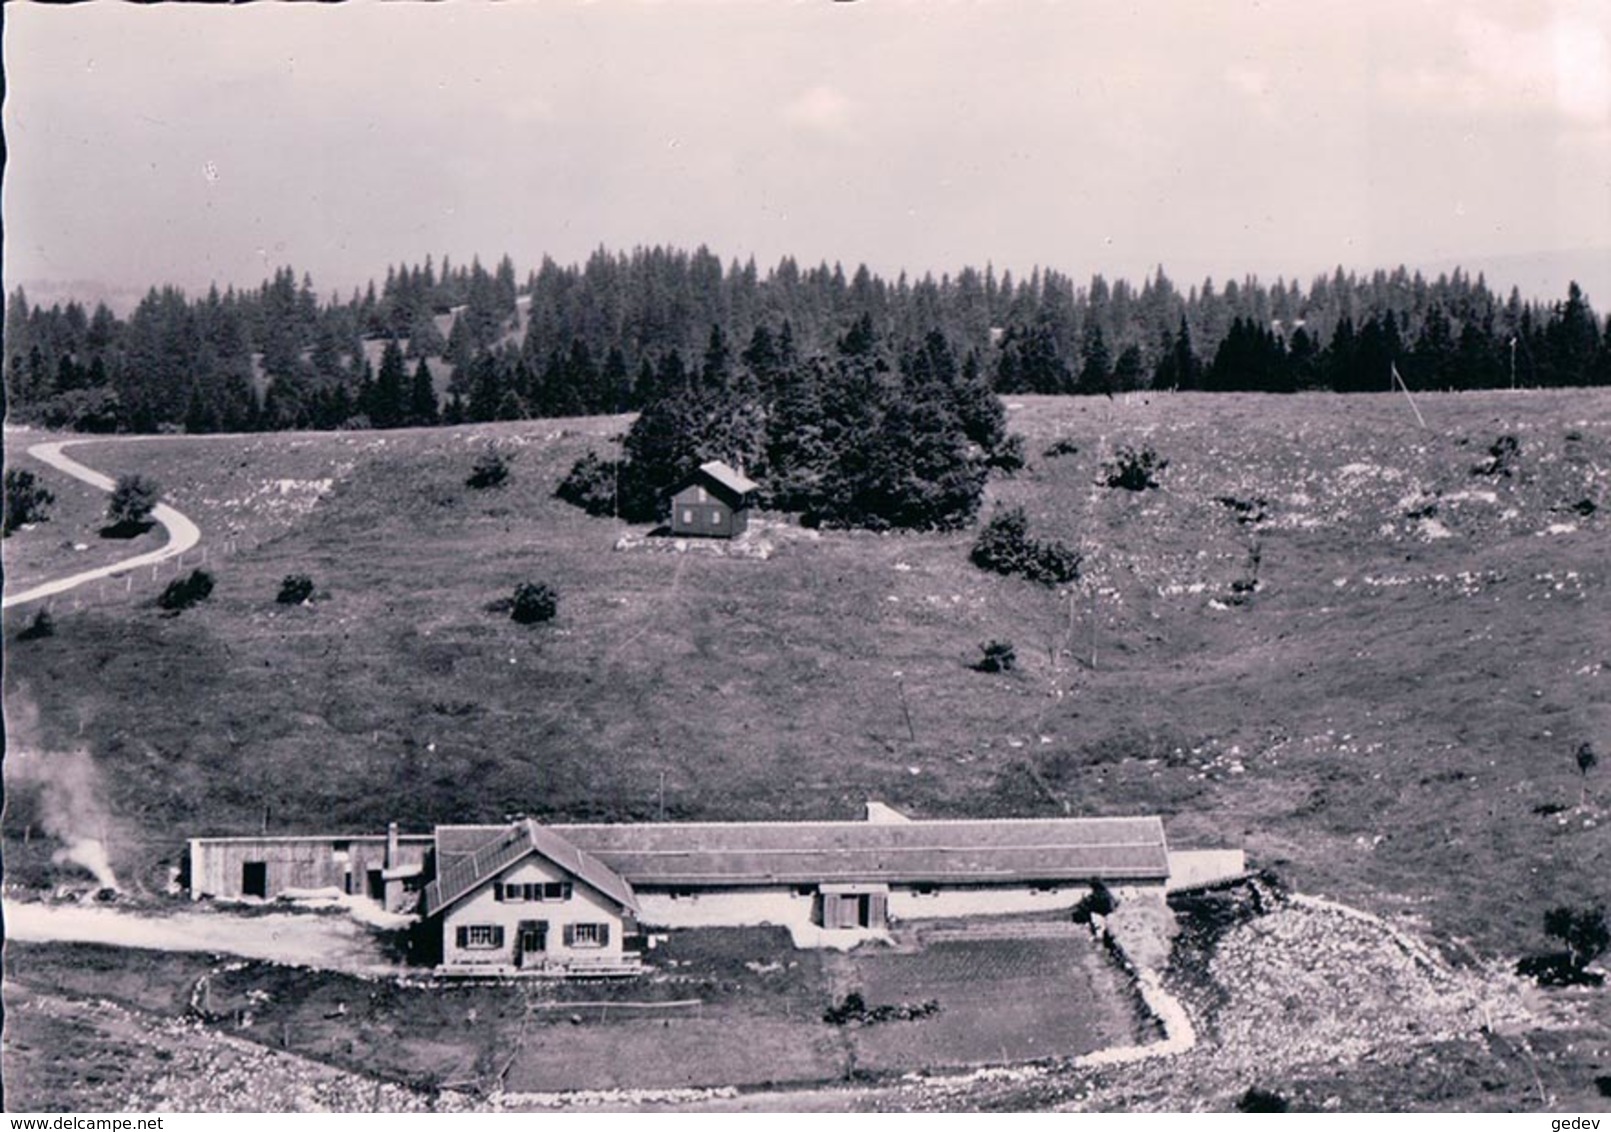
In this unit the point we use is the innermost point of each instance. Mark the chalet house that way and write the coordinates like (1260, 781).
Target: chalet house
(524, 898)
(714, 502)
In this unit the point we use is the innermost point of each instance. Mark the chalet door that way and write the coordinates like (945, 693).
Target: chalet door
(254, 878)
(531, 939)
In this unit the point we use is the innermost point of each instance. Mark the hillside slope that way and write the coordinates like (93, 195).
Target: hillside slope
(1376, 687)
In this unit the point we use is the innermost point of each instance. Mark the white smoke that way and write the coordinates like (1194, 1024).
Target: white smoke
(67, 787)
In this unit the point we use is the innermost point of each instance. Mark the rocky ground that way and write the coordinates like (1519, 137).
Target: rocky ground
(1326, 1008)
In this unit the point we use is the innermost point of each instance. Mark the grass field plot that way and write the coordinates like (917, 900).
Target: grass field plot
(1001, 1000)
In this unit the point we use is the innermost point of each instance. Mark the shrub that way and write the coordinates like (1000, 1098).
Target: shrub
(182, 593)
(590, 485)
(1583, 930)
(1062, 447)
(1008, 456)
(133, 500)
(295, 589)
(854, 1009)
(1134, 469)
(43, 625)
(490, 469)
(533, 602)
(999, 656)
(1247, 511)
(26, 500)
(1004, 546)
(1261, 1100)
(1502, 456)
(1098, 902)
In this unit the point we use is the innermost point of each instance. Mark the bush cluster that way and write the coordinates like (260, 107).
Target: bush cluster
(591, 485)
(41, 626)
(998, 656)
(182, 593)
(1098, 902)
(533, 602)
(133, 499)
(1004, 546)
(490, 469)
(294, 589)
(26, 500)
(1134, 469)
(1503, 455)
(854, 1008)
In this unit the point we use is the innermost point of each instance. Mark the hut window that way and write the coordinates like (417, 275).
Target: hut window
(511, 893)
(557, 890)
(687, 515)
(715, 517)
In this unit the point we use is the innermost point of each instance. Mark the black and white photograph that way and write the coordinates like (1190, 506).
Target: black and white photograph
(856, 556)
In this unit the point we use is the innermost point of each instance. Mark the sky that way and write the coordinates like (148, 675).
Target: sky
(199, 144)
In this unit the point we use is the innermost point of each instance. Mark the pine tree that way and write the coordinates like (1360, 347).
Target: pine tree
(422, 403)
(389, 401)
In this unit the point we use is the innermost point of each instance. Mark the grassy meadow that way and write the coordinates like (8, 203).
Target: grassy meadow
(1323, 638)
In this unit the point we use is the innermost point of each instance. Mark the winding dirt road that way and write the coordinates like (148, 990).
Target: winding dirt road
(182, 533)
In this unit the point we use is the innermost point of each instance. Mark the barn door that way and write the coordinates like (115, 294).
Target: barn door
(254, 878)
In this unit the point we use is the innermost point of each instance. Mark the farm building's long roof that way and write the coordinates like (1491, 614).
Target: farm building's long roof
(741, 853)
(474, 861)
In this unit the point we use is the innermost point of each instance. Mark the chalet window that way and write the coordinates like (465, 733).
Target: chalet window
(688, 516)
(524, 893)
(587, 935)
(479, 937)
(715, 517)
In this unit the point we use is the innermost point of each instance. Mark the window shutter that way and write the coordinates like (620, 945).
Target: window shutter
(497, 891)
(570, 935)
(604, 935)
(461, 936)
(497, 935)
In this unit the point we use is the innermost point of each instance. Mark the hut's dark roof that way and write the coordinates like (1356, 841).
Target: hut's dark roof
(469, 856)
(739, 853)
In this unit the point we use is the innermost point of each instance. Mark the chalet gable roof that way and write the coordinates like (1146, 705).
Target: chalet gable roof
(469, 856)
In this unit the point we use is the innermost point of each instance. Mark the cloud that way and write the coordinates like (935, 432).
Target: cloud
(1561, 67)
(820, 109)
(1249, 81)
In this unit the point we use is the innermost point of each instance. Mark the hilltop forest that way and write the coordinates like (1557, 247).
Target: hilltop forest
(454, 342)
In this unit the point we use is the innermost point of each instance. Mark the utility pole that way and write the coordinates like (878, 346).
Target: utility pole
(1513, 361)
(906, 711)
